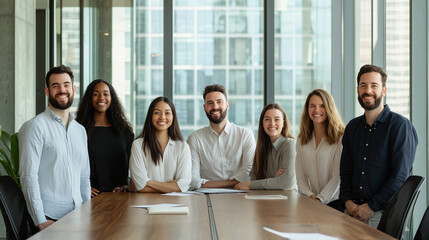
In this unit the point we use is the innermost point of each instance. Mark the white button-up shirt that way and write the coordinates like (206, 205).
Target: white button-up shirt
(53, 166)
(225, 156)
(174, 165)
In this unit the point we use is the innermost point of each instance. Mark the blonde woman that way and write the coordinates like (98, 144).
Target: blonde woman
(274, 161)
(318, 149)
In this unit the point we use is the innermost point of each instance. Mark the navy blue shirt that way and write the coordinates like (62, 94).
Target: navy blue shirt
(376, 160)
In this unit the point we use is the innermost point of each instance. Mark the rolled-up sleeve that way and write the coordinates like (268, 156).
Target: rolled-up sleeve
(247, 157)
(197, 181)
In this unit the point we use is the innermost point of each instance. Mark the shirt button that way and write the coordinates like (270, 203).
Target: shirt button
(364, 158)
(363, 173)
(366, 144)
(370, 130)
(360, 187)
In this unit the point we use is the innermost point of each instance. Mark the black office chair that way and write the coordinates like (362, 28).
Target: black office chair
(19, 224)
(423, 230)
(394, 216)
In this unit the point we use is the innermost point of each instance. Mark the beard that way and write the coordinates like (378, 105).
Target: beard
(54, 103)
(218, 120)
(369, 107)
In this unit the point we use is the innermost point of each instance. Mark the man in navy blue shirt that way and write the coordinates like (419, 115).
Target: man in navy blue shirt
(378, 151)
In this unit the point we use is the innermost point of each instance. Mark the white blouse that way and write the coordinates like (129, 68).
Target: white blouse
(318, 169)
(174, 165)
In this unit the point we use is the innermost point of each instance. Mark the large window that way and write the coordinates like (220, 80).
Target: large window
(302, 53)
(398, 55)
(149, 55)
(218, 42)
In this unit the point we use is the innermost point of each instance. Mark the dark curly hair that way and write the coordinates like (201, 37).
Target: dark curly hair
(115, 113)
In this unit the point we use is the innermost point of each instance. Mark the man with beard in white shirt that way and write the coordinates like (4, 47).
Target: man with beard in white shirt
(222, 153)
(53, 155)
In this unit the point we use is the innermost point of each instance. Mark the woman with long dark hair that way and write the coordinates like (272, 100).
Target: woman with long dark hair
(274, 161)
(319, 148)
(109, 136)
(160, 159)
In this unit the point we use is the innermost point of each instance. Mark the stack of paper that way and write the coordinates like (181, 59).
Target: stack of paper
(168, 210)
(165, 209)
(266, 197)
(218, 190)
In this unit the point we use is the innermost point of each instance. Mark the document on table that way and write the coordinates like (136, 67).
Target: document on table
(301, 236)
(168, 210)
(266, 197)
(165, 208)
(159, 205)
(218, 190)
(179, 194)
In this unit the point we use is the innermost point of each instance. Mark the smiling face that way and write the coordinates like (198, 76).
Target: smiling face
(162, 116)
(273, 123)
(216, 107)
(316, 110)
(101, 98)
(60, 91)
(371, 90)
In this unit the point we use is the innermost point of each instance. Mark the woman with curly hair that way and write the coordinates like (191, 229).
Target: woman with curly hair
(160, 159)
(318, 150)
(109, 137)
(274, 161)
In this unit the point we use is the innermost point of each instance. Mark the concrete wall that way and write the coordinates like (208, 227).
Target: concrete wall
(17, 61)
(17, 71)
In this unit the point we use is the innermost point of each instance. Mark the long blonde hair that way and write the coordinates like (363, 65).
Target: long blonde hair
(335, 125)
(263, 144)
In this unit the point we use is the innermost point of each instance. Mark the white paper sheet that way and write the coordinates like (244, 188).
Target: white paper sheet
(180, 194)
(301, 236)
(168, 210)
(218, 190)
(159, 205)
(266, 197)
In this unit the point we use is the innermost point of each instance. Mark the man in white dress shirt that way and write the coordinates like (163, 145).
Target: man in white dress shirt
(222, 153)
(53, 154)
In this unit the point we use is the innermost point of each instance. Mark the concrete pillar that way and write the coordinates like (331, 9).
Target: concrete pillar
(17, 61)
(17, 71)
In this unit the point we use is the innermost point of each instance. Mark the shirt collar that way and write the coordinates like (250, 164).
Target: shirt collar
(226, 130)
(381, 118)
(278, 142)
(55, 117)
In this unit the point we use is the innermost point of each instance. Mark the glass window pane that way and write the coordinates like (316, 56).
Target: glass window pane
(302, 53)
(218, 42)
(70, 52)
(149, 55)
(398, 56)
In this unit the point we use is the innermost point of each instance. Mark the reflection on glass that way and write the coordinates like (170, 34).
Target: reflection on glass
(149, 56)
(70, 43)
(302, 53)
(218, 42)
(398, 55)
(365, 23)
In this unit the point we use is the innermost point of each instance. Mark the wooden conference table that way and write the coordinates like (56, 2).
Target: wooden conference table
(110, 216)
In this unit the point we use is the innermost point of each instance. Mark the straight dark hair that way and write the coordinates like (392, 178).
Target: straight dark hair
(148, 134)
(59, 70)
(263, 144)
